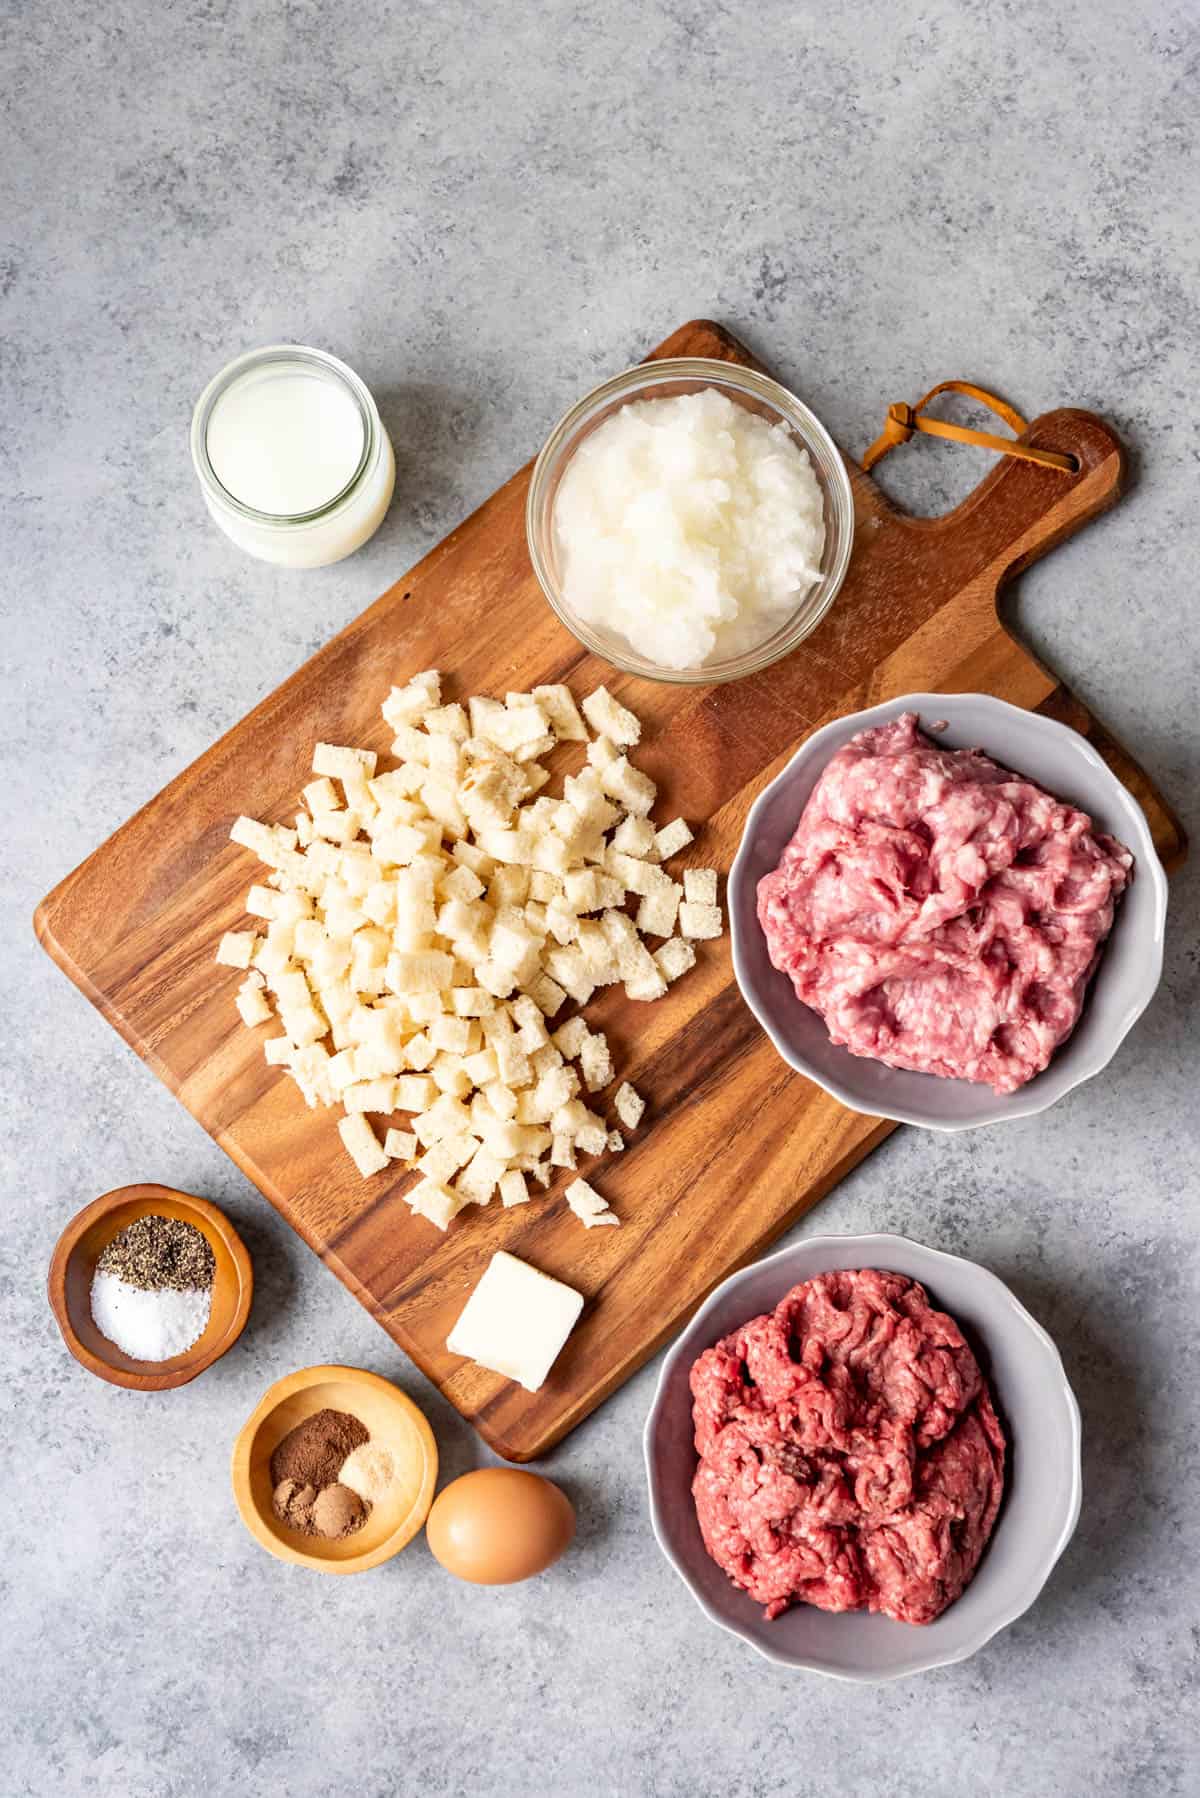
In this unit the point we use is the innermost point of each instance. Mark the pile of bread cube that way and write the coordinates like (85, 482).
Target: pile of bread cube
(421, 927)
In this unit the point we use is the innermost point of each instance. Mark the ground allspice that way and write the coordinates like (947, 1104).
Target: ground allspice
(156, 1253)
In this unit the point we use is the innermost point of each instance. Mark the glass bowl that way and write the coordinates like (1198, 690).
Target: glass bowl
(663, 380)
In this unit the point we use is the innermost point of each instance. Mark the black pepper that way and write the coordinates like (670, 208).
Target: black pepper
(155, 1252)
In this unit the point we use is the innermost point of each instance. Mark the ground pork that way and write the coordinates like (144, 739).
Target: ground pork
(939, 912)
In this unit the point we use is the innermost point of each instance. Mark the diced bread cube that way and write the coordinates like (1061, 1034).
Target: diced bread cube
(569, 969)
(513, 1190)
(635, 836)
(609, 891)
(616, 1142)
(252, 1004)
(588, 1206)
(370, 1095)
(531, 1029)
(562, 921)
(471, 1002)
(414, 1092)
(502, 1136)
(400, 1145)
(544, 887)
(447, 721)
(452, 1034)
(512, 1062)
(645, 983)
(629, 1105)
(570, 1037)
(362, 1145)
(450, 1076)
(434, 1203)
(581, 889)
(672, 838)
(406, 705)
(562, 1151)
(587, 1130)
(636, 875)
(501, 1099)
(546, 994)
(331, 759)
(609, 718)
(700, 886)
(596, 1062)
(236, 948)
(675, 958)
(460, 883)
(322, 796)
(558, 705)
(261, 902)
(584, 1200)
(303, 1023)
(278, 1051)
(479, 1179)
(555, 1089)
(629, 786)
(509, 887)
(419, 1052)
(700, 922)
(445, 1117)
(442, 1160)
(421, 971)
(658, 911)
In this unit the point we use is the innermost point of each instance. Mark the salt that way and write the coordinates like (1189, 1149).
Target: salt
(149, 1326)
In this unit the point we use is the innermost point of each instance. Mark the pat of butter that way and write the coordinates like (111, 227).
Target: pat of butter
(516, 1321)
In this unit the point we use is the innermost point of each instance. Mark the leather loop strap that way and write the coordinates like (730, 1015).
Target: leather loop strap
(903, 420)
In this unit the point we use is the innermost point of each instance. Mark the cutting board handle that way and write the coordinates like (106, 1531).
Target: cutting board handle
(1021, 508)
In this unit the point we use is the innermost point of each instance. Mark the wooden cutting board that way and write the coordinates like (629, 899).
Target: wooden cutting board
(734, 1147)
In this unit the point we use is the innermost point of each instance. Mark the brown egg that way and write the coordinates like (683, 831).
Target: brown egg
(499, 1525)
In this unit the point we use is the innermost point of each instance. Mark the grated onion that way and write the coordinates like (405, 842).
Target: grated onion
(689, 526)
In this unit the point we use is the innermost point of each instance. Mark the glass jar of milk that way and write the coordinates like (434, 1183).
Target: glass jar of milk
(294, 463)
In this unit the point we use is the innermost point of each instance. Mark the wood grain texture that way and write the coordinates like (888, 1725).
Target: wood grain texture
(734, 1146)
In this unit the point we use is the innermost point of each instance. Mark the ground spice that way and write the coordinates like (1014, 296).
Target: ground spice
(370, 1471)
(294, 1504)
(338, 1512)
(312, 1453)
(160, 1253)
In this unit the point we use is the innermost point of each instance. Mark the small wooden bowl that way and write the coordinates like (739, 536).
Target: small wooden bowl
(392, 1419)
(74, 1264)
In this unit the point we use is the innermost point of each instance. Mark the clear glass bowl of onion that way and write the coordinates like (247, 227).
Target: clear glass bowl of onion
(757, 394)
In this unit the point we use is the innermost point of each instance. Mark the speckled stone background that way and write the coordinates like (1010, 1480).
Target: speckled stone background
(485, 210)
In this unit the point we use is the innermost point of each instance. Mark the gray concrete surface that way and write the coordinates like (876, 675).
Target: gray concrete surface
(484, 210)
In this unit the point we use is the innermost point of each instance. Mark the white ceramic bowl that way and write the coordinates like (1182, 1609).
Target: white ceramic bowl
(1043, 1479)
(1062, 762)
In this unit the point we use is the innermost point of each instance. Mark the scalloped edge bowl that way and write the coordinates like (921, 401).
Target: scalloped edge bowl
(1043, 1475)
(1062, 762)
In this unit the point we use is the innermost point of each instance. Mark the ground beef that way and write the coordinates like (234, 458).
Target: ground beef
(939, 912)
(850, 1454)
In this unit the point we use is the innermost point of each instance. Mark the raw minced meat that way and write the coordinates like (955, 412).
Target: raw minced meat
(939, 912)
(850, 1453)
